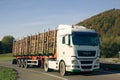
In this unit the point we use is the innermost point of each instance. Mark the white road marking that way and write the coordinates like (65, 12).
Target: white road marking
(55, 76)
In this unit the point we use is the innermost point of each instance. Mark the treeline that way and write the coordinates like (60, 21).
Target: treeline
(107, 24)
(6, 44)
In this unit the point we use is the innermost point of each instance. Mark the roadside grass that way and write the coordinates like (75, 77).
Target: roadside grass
(6, 57)
(117, 61)
(110, 60)
(7, 73)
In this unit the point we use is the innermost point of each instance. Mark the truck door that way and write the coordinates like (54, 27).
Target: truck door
(65, 47)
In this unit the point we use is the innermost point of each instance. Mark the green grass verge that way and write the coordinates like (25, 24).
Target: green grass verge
(110, 66)
(117, 61)
(6, 57)
(7, 73)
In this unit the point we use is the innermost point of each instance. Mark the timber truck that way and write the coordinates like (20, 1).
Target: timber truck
(69, 48)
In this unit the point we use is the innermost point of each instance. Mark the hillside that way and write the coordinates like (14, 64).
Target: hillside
(107, 24)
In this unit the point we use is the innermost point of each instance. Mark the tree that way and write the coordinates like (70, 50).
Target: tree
(1, 47)
(7, 43)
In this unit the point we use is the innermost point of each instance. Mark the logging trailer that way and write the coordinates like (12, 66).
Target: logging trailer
(67, 49)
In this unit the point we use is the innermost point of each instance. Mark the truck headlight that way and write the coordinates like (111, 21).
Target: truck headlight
(74, 62)
(97, 61)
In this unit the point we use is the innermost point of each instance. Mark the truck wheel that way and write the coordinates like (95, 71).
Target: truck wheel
(14, 61)
(39, 64)
(46, 66)
(26, 65)
(62, 68)
(22, 63)
(19, 63)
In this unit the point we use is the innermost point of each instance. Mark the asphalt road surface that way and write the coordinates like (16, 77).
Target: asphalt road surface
(39, 74)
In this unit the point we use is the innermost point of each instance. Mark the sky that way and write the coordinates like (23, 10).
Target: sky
(20, 18)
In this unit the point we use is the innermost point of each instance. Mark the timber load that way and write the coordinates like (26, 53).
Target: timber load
(40, 44)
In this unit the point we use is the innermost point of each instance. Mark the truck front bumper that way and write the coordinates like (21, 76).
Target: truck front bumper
(83, 68)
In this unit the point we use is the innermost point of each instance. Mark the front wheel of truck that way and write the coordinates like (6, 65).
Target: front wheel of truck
(62, 68)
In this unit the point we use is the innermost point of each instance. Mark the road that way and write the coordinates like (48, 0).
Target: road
(39, 74)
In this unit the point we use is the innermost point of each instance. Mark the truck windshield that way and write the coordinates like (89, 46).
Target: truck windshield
(85, 38)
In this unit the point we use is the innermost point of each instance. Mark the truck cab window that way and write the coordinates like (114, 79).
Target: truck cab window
(69, 39)
(63, 40)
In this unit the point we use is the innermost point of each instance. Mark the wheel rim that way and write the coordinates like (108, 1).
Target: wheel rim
(19, 63)
(25, 64)
(46, 67)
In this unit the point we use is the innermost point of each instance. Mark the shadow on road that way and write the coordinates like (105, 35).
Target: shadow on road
(95, 73)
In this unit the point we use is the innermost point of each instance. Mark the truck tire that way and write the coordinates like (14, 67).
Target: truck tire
(46, 68)
(19, 63)
(26, 65)
(14, 61)
(62, 68)
(39, 64)
(22, 63)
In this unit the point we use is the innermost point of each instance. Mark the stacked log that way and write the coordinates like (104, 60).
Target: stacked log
(42, 43)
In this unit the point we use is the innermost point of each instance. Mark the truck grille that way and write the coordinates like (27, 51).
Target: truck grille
(86, 53)
(86, 67)
(86, 62)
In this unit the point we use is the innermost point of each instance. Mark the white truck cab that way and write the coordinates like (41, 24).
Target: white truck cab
(77, 50)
